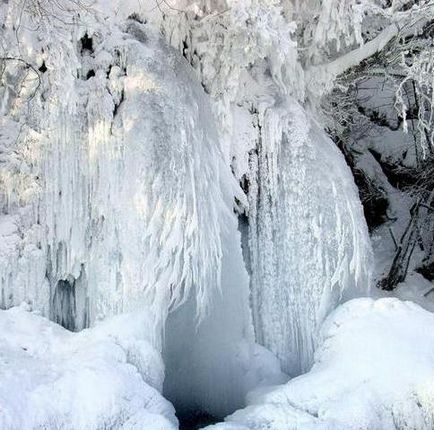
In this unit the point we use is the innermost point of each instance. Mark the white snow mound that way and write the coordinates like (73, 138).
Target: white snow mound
(104, 377)
(374, 369)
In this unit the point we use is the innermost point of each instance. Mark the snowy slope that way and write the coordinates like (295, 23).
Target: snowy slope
(373, 370)
(105, 377)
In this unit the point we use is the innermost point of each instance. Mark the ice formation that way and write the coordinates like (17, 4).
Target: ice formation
(119, 169)
(213, 366)
(307, 240)
(125, 162)
(373, 370)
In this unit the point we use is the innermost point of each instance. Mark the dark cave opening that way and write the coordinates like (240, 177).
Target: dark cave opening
(64, 306)
(70, 303)
(196, 420)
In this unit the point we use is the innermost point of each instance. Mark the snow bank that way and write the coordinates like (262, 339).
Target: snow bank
(105, 377)
(374, 369)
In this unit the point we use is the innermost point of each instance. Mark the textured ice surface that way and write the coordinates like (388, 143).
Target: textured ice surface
(104, 377)
(308, 240)
(305, 240)
(134, 210)
(129, 181)
(373, 370)
(117, 191)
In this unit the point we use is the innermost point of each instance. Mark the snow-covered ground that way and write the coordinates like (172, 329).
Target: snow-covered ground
(105, 377)
(374, 369)
(130, 151)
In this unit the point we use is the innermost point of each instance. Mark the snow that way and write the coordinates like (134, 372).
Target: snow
(373, 370)
(119, 196)
(134, 209)
(105, 377)
(302, 260)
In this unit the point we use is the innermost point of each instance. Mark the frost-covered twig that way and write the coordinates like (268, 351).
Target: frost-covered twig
(28, 66)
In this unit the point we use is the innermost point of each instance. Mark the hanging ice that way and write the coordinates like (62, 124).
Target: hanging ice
(134, 211)
(117, 194)
(129, 180)
(308, 242)
(305, 240)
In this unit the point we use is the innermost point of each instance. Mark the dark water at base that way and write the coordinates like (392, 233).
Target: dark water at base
(196, 421)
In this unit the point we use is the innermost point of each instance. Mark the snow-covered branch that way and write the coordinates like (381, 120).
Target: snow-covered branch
(320, 78)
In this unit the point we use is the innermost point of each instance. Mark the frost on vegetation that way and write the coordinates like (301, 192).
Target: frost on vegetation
(373, 369)
(104, 377)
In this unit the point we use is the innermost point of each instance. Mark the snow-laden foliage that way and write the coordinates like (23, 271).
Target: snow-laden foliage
(105, 377)
(373, 370)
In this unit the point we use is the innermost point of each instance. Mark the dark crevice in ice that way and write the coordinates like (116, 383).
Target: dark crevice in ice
(70, 304)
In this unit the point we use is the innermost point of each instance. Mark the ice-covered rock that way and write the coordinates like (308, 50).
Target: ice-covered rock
(133, 208)
(305, 240)
(120, 201)
(116, 189)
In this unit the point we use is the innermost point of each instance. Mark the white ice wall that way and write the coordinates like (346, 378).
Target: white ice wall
(128, 173)
(117, 174)
(306, 244)
(308, 240)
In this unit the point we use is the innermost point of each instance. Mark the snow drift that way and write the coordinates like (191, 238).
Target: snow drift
(373, 370)
(105, 377)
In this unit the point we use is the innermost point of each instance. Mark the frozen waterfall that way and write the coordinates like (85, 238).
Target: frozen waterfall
(119, 177)
(308, 243)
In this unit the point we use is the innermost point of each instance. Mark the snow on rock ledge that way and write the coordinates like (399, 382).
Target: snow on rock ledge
(105, 377)
(374, 369)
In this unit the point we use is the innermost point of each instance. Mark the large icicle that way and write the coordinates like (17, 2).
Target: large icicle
(124, 194)
(307, 237)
